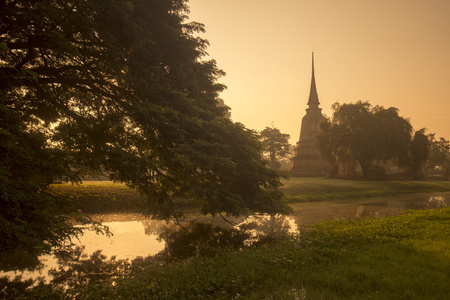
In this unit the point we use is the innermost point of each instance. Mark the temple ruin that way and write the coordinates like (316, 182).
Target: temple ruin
(307, 161)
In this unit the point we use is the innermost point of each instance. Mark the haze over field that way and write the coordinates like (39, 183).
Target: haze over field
(390, 53)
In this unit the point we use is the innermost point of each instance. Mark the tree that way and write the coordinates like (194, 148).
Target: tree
(276, 143)
(366, 134)
(439, 155)
(419, 149)
(118, 87)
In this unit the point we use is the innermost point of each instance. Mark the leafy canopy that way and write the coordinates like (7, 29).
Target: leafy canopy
(121, 88)
(371, 134)
(276, 143)
(439, 155)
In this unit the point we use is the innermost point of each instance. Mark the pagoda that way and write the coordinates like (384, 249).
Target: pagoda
(307, 161)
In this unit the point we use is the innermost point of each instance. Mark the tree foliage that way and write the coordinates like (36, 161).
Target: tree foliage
(276, 143)
(419, 150)
(118, 87)
(439, 155)
(372, 134)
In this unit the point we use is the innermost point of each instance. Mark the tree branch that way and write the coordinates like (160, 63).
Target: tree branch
(30, 55)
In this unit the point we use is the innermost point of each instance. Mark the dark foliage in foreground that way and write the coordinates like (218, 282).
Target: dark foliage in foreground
(121, 88)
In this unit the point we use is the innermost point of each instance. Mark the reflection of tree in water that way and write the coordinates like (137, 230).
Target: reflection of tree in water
(77, 269)
(195, 239)
(200, 239)
(20, 260)
(436, 202)
(157, 227)
(264, 228)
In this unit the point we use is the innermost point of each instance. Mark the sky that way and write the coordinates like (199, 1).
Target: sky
(390, 53)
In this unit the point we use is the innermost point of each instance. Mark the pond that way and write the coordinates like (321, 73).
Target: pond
(137, 236)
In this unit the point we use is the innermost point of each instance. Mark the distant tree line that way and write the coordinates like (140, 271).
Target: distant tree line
(374, 137)
(438, 161)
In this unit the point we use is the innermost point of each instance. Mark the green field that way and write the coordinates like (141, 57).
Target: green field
(105, 196)
(99, 196)
(318, 189)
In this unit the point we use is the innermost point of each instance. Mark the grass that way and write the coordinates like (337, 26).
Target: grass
(105, 196)
(402, 257)
(99, 196)
(319, 189)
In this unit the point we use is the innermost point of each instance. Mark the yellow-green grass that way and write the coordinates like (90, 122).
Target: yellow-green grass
(318, 189)
(106, 196)
(98, 196)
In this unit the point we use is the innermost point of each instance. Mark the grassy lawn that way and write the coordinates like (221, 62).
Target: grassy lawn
(105, 196)
(402, 257)
(318, 189)
(99, 196)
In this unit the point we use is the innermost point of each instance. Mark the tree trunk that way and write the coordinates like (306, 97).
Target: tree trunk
(365, 168)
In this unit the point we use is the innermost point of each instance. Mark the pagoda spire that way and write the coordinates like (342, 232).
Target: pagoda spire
(307, 160)
(313, 101)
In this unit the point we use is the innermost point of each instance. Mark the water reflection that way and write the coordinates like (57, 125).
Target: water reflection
(201, 239)
(77, 269)
(136, 236)
(437, 202)
(129, 240)
(263, 228)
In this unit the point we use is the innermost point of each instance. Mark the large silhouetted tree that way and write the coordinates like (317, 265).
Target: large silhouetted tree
(118, 87)
(366, 134)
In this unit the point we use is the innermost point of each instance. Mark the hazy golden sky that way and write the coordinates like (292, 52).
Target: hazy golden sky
(388, 52)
